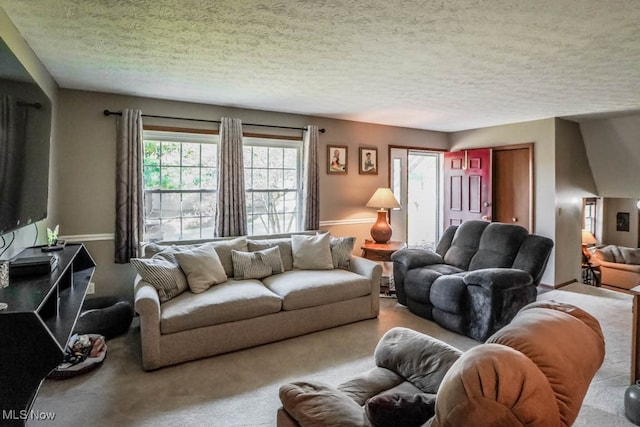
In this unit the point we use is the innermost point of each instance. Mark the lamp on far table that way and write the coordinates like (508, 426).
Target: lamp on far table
(587, 240)
(382, 199)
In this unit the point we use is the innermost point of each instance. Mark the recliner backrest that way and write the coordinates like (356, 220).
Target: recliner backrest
(533, 256)
(465, 243)
(499, 246)
(445, 241)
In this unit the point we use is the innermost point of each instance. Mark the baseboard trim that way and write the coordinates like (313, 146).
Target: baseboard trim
(561, 285)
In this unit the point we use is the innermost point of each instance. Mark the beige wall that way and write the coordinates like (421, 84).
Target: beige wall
(542, 134)
(573, 182)
(614, 155)
(28, 236)
(85, 169)
(610, 209)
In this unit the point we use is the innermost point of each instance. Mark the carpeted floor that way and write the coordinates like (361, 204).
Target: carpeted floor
(241, 389)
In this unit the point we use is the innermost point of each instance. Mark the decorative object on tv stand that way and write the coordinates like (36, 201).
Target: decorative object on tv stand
(382, 199)
(53, 244)
(587, 240)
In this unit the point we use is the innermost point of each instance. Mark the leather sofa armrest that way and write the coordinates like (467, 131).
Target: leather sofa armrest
(415, 258)
(498, 278)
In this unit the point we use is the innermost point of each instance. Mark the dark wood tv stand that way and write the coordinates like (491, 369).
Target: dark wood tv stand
(34, 329)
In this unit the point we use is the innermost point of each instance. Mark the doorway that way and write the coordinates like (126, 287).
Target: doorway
(416, 183)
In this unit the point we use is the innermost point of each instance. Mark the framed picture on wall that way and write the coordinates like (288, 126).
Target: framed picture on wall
(337, 159)
(622, 221)
(368, 161)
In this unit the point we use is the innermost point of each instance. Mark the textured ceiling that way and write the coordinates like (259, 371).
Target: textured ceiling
(443, 65)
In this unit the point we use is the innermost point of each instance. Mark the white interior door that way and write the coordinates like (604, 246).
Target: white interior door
(417, 184)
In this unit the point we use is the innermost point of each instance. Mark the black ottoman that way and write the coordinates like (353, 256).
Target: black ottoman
(106, 316)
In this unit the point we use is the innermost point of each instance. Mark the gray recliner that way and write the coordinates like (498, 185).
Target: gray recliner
(477, 279)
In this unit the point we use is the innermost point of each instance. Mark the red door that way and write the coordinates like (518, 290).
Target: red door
(467, 186)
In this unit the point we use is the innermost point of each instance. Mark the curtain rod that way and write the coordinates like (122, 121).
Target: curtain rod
(119, 113)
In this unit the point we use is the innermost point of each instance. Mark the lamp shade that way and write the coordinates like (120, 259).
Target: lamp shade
(383, 198)
(588, 238)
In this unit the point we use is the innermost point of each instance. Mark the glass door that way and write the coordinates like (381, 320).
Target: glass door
(416, 183)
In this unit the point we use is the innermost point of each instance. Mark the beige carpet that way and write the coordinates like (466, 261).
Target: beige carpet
(241, 388)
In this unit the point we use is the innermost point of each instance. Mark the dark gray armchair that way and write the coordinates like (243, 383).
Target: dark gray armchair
(477, 279)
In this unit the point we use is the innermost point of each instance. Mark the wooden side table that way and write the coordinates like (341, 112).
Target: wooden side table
(382, 252)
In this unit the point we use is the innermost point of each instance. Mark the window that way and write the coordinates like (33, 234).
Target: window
(589, 214)
(272, 169)
(180, 184)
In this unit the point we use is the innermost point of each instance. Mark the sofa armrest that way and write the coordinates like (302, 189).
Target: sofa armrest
(498, 278)
(372, 271)
(421, 359)
(415, 258)
(407, 259)
(147, 305)
(317, 404)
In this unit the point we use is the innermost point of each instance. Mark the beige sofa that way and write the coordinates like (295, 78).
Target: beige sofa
(243, 313)
(533, 372)
(619, 266)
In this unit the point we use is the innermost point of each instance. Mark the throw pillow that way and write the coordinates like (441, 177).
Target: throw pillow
(258, 264)
(311, 252)
(224, 248)
(202, 267)
(400, 409)
(162, 274)
(283, 243)
(341, 249)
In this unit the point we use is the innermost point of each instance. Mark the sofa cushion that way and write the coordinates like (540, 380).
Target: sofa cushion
(312, 252)
(417, 282)
(318, 404)
(228, 302)
(449, 293)
(499, 245)
(162, 274)
(258, 264)
(284, 244)
(308, 288)
(400, 409)
(203, 268)
(465, 244)
(222, 247)
(630, 255)
(341, 250)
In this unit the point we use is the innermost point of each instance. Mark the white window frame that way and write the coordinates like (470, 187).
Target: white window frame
(276, 142)
(249, 140)
(178, 137)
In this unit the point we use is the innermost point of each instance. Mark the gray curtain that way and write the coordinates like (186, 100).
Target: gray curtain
(231, 210)
(129, 195)
(310, 187)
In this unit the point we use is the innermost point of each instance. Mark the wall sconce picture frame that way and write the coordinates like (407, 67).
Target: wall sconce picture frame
(337, 159)
(368, 161)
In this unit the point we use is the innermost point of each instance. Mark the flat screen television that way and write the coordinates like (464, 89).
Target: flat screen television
(25, 134)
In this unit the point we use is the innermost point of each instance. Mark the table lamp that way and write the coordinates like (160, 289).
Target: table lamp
(382, 199)
(587, 239)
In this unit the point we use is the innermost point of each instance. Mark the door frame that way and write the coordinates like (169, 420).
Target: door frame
(409, 148)
(530, 147)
